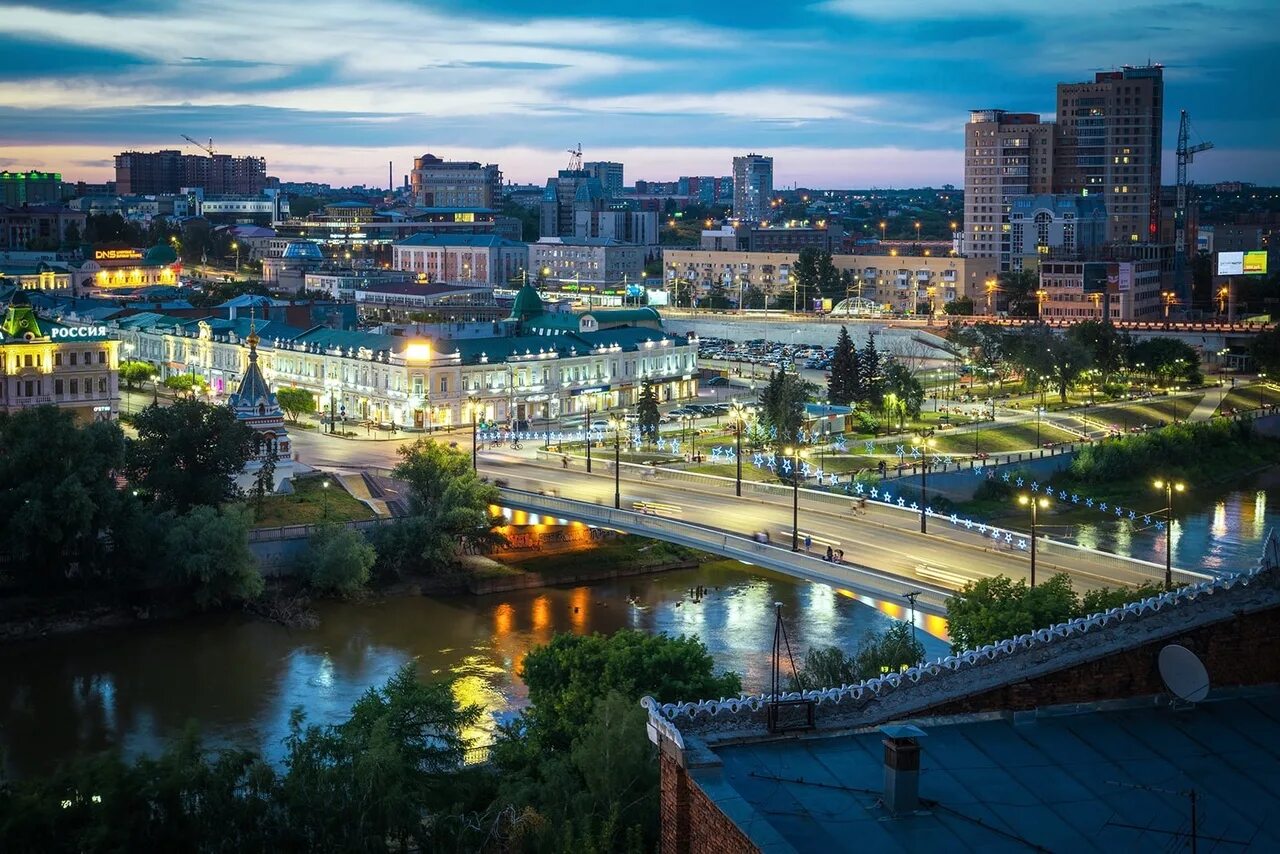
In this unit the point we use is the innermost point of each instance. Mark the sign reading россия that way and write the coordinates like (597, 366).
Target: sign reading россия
(78, 332)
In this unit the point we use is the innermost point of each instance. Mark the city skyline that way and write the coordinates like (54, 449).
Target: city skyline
(844, 93)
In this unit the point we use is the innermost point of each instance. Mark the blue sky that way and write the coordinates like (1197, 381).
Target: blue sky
(843, 93)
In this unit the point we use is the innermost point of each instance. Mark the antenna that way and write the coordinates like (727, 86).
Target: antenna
(1183, 673)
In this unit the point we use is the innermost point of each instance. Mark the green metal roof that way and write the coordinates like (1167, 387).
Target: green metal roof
(527, 304)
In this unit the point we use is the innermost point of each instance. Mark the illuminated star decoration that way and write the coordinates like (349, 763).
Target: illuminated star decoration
(786, 465)
(916, 453)
(874, 492)
(757, 460)
(1022, 544)
(901, 502)
(1035, 487)
(901, 451)
(871, 447)
(1005, 477)
(841, 445)
(888, 499)
(857, 487)
(662, 444)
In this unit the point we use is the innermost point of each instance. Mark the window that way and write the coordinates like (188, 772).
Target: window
(57, 360)
(102, 357)
(75, 386)
(444, 385)
(73, 359)
(57, 386)
(26, 361)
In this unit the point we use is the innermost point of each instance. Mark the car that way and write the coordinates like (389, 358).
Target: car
(599, 425)
(717, 382)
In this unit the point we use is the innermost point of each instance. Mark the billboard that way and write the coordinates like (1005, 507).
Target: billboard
(1230, 263)
(1255, 263)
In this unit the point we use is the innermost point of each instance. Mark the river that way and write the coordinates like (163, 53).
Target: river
(239, 677)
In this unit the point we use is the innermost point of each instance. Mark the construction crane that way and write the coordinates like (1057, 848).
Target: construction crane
(208, 148)
(1186, 153)
(575, 159)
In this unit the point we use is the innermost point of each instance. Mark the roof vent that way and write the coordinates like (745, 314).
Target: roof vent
(902, 768)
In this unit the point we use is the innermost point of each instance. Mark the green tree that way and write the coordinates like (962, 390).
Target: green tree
(1265, 350)
(1168, 359)
(871, 370)
(188, 454)
(188, 383)
(902, 383)
(1107, 347)
(135, 372)
(264, 479)
(1017, 292)
(887, 651)
(449, 507)
(207, 550)
(961, 306)
(782, 404)
(338, 560)
(647, 412)
(845, 381)
(59, 498)
(295, 402)
(994, 609)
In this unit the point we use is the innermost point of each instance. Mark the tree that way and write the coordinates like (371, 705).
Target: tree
(208, 551)
(902, 383)
(449, 506)
(59, 497)
(135, 372)
(568, 675)
(188, 454)
(1265, 350)
(844, 384)
(870, 369)
(995, 609)
(1018, 290)
(782, 404)
(887, 651)
(338, 560)
(1107, 348)
(189, 383)
(264, 479)
(1169, 359)
(962, 306)
(295, 402)
(647, 412)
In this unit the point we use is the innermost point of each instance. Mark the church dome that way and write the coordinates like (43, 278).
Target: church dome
(527, 304)
(160, 255)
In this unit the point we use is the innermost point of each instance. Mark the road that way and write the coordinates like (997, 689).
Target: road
(878, 537)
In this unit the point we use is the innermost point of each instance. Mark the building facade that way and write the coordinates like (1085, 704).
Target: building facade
(144, 173)
(752, 187)
(30, 188)
(38, 226)
(70, 366)
(586, 260)
(1109, 143)
(1048, 224)
(438, 183)
(1098, 290)
(478, 259)
(572, 194)
(897, 283)
(548, 366)
(1005, 155)
(755, 238)
(608, 173)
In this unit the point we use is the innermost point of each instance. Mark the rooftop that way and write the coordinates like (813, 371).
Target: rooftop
(1094, 778)
(424, 238)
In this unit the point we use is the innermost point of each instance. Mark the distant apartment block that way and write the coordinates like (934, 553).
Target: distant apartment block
(30, 188)
(1005, 155)
(438, 183)
(142, 173)
(585, 260)
(1093, 290)
(461, 259)
(1108, 143)
(1049, 225)
(608, 173)
(752, 187)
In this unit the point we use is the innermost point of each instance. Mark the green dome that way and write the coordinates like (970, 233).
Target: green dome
(527, 304)
(160, 255)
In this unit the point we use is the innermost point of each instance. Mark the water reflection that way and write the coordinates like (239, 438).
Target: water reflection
(240, 678)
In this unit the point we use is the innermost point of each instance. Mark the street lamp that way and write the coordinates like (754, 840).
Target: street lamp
(883, 224)
(473, 403)
(617, 422)
(324, 488)
(795, 454)
(1169, 487)
(236, 246)
(917, 231)
(926, 442)
(740, 414)
(1036, 504)
(991, 289)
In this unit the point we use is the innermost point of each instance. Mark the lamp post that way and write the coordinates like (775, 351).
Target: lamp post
(926, 440)
(236, 246)
(917, 231)
(1169, 487)
(588, 436)
(324, 488)
(617, 422)
(740, 412)
(883, 224)
(1262, 378)
(794, 454)
(472, 402)
(1036, 505)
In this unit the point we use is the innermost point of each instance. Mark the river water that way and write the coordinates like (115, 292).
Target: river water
(239, 678)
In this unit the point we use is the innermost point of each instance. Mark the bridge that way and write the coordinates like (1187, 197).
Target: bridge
(885, 555)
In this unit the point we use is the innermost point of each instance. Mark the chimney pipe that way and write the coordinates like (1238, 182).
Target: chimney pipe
(902, 768)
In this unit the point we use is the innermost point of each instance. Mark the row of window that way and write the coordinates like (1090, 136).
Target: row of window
(35, 388)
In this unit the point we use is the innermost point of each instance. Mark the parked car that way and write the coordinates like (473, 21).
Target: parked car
(717, 382)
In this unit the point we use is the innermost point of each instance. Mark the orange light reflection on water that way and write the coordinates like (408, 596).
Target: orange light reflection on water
(541, 613)
(932, 623)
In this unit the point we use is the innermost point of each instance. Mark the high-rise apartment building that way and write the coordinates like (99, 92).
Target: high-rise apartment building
(30, 188)
(570, 193)
(1109, 143)
(151, 173)
(438, 183)
(1005, 155)
(609, 175)
(752, 186)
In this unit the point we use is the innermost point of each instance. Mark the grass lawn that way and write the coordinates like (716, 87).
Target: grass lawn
(1243, 398)
(306, 506)
(1139, 412)
(1004, 439)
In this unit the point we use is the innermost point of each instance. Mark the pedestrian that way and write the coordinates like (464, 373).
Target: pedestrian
(830, 554)
(808, 543)
(564, 461)
(839, 555)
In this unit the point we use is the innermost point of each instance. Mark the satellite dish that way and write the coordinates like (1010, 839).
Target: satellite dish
(1183, 673)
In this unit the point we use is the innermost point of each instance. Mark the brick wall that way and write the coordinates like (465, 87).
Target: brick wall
(691, 823)
(1241, 651)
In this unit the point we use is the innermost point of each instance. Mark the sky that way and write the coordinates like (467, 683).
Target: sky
(842, 93)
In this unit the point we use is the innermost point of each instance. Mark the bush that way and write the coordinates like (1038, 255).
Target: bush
(339, 560)
(867, 423)
(1172, 450)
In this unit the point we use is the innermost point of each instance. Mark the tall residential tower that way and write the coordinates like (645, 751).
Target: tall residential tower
(1005, 155)
(752, 186)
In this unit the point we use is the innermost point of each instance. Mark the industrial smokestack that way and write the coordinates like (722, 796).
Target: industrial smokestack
(391, 179)
(902, 768)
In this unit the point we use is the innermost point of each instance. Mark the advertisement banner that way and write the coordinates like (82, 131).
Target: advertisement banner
(1230, 263)
(1255, 263)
